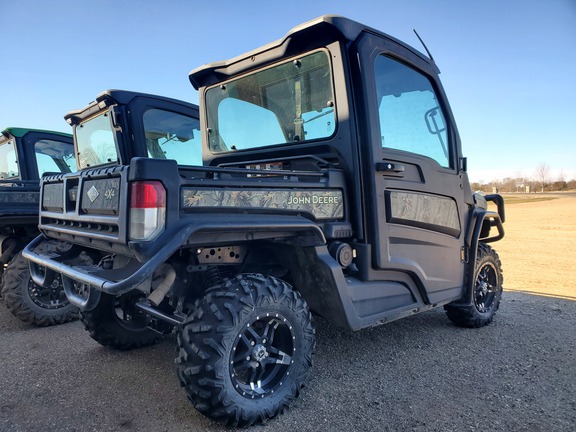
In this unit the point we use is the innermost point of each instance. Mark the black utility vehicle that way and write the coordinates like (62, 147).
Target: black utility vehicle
(333, 182)
(25, 155)
(116, 127)
(120, 125)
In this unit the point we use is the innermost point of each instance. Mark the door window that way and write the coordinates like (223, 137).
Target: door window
(410, 116)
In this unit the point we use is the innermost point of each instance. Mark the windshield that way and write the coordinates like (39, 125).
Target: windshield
(8, 160)
(95, 142)
(288, 102)
(54, 157)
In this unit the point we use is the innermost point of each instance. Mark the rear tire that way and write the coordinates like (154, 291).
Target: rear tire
(32, 303)
(1, 280)
(115, 323)
(487, 291)
(246, 349)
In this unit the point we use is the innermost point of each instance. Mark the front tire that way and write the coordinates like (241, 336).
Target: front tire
(246, 349)
(116, 323)
(487, 291)
(32, 303)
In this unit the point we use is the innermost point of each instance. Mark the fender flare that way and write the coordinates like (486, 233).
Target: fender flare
(8, 246)
(480, 217)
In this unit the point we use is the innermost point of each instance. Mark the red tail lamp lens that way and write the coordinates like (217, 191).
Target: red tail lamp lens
(149, 194)
(147, 210)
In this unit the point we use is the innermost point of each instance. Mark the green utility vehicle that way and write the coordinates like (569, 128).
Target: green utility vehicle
(334, 182)
(25, 155)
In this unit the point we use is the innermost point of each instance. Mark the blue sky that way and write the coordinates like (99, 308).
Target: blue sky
(508, 66)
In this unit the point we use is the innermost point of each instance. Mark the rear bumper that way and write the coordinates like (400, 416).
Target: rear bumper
(223, 228)
(43, 268)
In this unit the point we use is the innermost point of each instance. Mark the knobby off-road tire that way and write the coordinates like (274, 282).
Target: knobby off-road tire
(487, 291)
(246, 349)
(116, 323)
(1, 280)
(32, 303)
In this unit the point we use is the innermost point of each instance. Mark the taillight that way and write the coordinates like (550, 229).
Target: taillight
(147, 210)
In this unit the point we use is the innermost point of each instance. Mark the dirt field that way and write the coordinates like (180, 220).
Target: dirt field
(538, 252)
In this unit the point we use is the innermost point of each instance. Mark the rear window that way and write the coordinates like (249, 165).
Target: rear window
(289, 102)
(8, 160)
(95, 142)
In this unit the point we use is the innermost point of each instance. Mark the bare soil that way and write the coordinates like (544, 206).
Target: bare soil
(538, 251)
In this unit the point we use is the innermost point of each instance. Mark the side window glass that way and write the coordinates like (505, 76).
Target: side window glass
(8, 160)
(410, 116)
(54, 156)
(173, 136)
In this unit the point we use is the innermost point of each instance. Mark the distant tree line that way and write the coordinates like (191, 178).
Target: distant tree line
(542, 181)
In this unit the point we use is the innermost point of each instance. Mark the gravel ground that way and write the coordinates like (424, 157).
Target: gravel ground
(416, 374)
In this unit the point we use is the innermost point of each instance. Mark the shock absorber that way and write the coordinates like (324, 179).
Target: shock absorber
(215, 275)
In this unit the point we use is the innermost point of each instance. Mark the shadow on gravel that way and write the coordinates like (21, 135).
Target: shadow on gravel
(421, 373)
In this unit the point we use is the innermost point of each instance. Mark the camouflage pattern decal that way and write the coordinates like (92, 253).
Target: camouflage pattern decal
(431, 210)
(322, 204)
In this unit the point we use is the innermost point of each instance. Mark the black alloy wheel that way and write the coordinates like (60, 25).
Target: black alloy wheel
(262, 355)
(246, 349)
(486, 291)
(486, 287)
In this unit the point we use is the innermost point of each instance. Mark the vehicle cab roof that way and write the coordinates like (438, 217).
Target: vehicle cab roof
(20, 132)
(312, 34)
(117, 97)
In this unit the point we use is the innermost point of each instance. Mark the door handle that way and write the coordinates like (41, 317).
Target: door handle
(389, 167)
